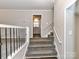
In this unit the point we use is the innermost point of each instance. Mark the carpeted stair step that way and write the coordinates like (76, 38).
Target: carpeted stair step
(41, 42)
(43, 52)
(41, 56)
(41, 45)
(37, 38)
(40, 48)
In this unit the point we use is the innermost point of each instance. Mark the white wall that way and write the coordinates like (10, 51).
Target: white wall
(59, 25)
(24, 18)
(70, 32)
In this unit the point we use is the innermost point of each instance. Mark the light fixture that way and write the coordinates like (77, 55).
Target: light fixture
(36, 20)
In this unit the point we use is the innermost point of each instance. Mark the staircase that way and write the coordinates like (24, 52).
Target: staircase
(41, 48)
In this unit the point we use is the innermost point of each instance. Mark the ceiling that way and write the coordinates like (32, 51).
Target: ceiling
(26, 4)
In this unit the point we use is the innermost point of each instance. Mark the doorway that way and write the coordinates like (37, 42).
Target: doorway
(36, 25)
(72, 31)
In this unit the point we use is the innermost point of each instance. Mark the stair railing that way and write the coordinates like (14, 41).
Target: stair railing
(49, 26)
(12, 38)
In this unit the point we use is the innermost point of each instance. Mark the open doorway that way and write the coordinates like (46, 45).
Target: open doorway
(36, 25)
(72, 31)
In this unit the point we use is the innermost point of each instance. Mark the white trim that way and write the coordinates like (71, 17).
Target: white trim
(64, 34)
(55, 32)
(25, 10)
(58, 54)
(28, 40)
(65, 27)
(17, 51)
(10, 26)
(70, 4)
(25, 44)
(40, 56)
(26, 50)
(56, 43)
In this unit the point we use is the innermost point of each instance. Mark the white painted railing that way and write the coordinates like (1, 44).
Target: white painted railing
(48, 29)
(13, 39)
(58, 43)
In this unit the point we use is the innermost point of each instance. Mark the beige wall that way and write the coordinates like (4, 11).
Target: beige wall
(24, 18)
(59, 24)
(77, 30)
(77, 36)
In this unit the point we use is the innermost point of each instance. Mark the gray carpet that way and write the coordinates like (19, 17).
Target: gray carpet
(41, 48)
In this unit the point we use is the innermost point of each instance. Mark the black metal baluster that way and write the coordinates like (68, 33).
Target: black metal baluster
(14, 39)
(0, 43)
(10, 42)
(6, 41)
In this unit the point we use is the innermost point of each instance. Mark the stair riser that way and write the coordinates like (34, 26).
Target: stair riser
(39, 38)
(42, 42)
(42, 55)
(41, 46)
(42, 52)
(37, 49)
(52, 47)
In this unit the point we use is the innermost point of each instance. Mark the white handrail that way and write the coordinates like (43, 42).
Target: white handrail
(10, 26)
(13, 32)
(60, 41)
(50, 25)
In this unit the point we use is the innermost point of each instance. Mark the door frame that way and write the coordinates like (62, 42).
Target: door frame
(65, 31)
(40, 23)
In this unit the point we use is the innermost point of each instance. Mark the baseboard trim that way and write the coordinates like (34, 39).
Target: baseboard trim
(58, 54)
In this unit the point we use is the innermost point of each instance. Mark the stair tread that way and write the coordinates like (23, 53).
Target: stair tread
(42, 52)
(40, 40)
(41, 56)
(40, 45)
(41, 48)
